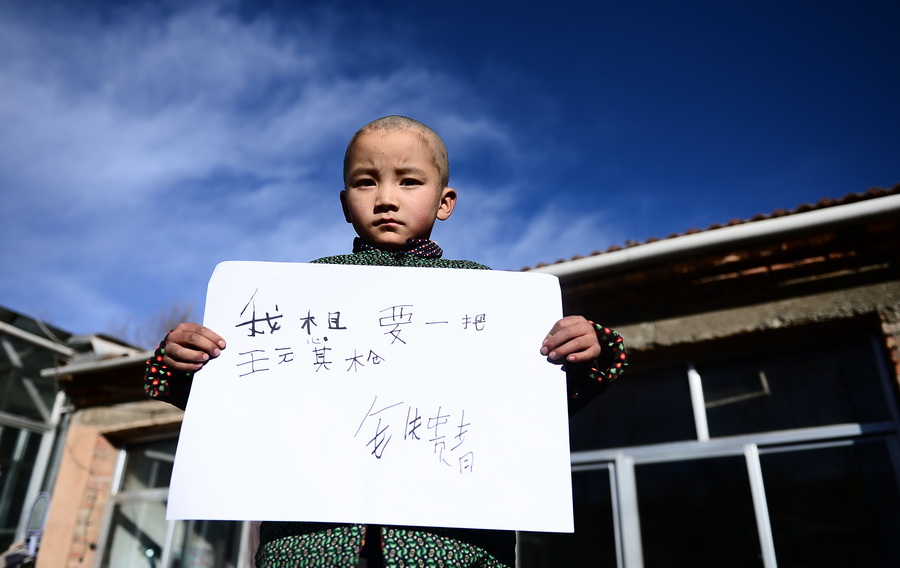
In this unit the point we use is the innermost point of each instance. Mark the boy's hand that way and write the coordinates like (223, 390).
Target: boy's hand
(572, 340)
(190, 346)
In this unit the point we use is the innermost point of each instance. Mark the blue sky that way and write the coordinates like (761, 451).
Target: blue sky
(142, 142)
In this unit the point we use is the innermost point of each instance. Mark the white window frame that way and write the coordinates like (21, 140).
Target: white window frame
(622, 461)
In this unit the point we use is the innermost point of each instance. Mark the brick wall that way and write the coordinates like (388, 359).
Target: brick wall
(79, 499)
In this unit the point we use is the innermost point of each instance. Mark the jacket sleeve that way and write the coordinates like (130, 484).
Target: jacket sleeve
(586, 382)
(164, 384)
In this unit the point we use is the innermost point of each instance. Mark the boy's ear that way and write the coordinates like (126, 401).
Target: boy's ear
(448, 202)
(344, 206)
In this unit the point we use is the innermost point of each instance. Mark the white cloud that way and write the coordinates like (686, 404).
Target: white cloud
(138, 151)
(509, 228)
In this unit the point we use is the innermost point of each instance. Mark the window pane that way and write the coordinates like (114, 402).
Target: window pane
(14, 396)
(201, 544)
(18, 450)
(833, 383)
(138, 529)
(592, 544)
(837, 506)
(697, 513)
(137, 535)
(645, 408)
(149, 466)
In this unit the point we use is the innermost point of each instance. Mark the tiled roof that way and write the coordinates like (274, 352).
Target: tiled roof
(871, 193)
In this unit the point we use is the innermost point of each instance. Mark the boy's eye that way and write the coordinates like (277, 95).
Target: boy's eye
(410, 181)
(364, 182)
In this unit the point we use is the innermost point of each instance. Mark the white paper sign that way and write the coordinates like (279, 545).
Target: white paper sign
(384, 395)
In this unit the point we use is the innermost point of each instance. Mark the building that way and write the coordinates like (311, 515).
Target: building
(33, 413)
(757, 425)
(110, 497)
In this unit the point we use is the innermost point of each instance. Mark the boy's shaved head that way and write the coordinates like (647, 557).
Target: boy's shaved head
(396, 122)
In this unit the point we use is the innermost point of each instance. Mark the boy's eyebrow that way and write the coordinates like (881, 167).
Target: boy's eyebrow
(412, 171)
(362, 170)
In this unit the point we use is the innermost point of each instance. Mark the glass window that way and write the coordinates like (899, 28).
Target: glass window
(18, 450)
(15, 397)
(643, 408)
(202, 544)
(834, 382)
(592, 544)
(834, 506)
(697, 513)
(139, 534)
(149, 466)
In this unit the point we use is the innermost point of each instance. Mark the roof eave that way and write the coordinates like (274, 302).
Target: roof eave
(88, 367)
(716, 239)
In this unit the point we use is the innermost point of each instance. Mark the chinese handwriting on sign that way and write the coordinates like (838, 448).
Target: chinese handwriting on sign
(397, 324)
(253, 321)
(444, 432)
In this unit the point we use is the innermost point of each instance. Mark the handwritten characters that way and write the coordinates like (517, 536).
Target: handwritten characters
(322, 338)
(396, 316)
(440, 432)
(270, 320)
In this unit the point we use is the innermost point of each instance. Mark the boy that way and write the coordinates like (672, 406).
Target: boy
(396, 185)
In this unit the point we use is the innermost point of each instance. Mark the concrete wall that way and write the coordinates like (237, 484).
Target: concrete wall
(876, 300)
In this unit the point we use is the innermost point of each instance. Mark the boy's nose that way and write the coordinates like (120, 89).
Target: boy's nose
(386, 198)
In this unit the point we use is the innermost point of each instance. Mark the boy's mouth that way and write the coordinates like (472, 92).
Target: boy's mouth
(387, 221)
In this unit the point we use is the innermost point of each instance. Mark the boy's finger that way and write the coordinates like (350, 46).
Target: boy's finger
(560, 335)
(183, 354)
(553, 341)
(583, 356)
(582, 348)
(179, 366)
(181, 359)
(190, 346)
(559, 331)
(565, 322)
(196, 335)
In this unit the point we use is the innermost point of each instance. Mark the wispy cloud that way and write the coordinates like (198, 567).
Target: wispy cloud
(139, 149)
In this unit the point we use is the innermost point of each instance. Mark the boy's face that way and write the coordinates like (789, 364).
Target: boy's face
(393, 189)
